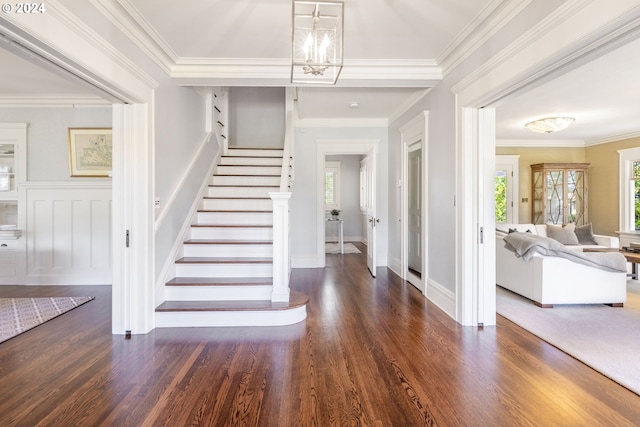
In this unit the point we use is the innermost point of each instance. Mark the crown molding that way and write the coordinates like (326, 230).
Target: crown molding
(490, 20)
(612, 138)
(340, 123)
(52, 101)
(551, 21)
(130, 21)
(256, 71)
(85, 32)
(407, 104)
(541, 143)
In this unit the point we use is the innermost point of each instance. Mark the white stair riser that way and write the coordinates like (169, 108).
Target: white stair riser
(237, 204)
(265, 161)
(219, 250)
(248, 170)
(235, 218)
(217, 293)
(230, 318)
(255, 153)
(227, 233)
(273, 181)
(224, 270)
(241, 191)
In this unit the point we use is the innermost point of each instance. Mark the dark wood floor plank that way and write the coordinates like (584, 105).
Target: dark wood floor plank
(372, 352)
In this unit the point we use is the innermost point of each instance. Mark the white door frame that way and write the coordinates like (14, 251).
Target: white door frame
(330, 147)
(414, 131)
(528, 59)
(97, 64)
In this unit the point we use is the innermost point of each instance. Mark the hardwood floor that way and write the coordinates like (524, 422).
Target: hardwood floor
(372, 352)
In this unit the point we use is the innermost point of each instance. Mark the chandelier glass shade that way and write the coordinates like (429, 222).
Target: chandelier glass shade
(549, 124)
(317, 42)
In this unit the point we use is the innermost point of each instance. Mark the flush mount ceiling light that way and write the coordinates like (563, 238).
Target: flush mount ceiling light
(549, 124)
(317, 42)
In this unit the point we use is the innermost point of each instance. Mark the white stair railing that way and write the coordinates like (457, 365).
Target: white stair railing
(281, 254)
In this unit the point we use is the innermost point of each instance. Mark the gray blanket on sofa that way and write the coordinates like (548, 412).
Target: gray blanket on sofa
(526, 245)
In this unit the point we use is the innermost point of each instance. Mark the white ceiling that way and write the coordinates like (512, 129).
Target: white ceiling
(601, 95)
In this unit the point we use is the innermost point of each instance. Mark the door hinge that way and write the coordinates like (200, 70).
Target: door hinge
(126, 240)
(481, 235)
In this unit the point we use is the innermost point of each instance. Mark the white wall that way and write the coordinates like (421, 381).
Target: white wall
(256, 116)
(184, 153)
(47, 137)
(441, 146)
(304, 208)
(68, 219)
(349, 199)
(441, 190)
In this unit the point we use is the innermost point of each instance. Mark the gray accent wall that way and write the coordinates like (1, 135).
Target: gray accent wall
(256, 117)
(47, 137)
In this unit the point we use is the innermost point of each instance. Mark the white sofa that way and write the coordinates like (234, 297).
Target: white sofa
(548, 280)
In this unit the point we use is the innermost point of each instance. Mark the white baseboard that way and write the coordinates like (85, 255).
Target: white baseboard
(395, 265)
(442, 297)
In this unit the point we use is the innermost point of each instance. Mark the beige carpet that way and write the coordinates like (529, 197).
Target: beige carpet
(18, 315)
(334, 248)
(605, 338)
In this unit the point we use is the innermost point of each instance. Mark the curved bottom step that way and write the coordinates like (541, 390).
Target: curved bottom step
(172, 314)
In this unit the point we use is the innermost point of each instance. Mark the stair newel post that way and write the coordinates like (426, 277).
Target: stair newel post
(281, 259)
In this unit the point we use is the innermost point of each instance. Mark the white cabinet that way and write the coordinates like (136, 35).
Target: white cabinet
(13, 169)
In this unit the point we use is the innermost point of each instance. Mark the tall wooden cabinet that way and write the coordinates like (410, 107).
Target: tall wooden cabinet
(559, 193)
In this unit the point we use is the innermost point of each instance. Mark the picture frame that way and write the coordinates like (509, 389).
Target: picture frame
(90, 152)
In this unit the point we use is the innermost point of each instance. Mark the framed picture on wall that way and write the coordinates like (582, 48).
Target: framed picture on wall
(90, 152)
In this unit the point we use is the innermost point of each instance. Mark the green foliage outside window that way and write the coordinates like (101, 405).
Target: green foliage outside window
(501, 199)
(636, 192)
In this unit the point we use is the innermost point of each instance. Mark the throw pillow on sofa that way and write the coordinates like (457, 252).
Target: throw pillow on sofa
(565, 235)
(584, 233)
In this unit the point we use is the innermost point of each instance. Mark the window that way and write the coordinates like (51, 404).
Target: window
(331, 185)
(630, 189)
(635, 168)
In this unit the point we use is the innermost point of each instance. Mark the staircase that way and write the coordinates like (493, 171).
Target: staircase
(224, 277)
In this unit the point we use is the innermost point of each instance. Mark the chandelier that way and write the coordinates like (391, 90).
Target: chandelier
(549, 124)
(317, 42)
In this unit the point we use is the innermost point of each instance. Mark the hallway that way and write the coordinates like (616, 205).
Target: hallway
(371, 352)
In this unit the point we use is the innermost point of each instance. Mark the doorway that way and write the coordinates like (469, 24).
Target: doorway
(414, 203)
(368, 151)
(506, 189)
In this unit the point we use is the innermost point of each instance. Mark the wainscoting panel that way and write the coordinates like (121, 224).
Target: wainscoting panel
(68, 234)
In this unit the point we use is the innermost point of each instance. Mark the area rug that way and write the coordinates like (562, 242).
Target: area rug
(605, 338)
(18, 315)
(334, 248)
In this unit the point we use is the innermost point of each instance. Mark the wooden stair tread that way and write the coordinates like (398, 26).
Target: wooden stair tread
(235, 198)
(237, 211)
(244, 185)
(296, 300)
(256, 148)
(232, 225)
(250, 166)
(250, 157)
(251, 175)
(227, 242)
(219, 281)
(224, 260)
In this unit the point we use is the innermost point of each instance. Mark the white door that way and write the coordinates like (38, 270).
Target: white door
(414, 215)
(372, 219)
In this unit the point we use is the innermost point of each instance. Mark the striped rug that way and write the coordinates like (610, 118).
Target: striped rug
(334, 248)
(21, 314)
